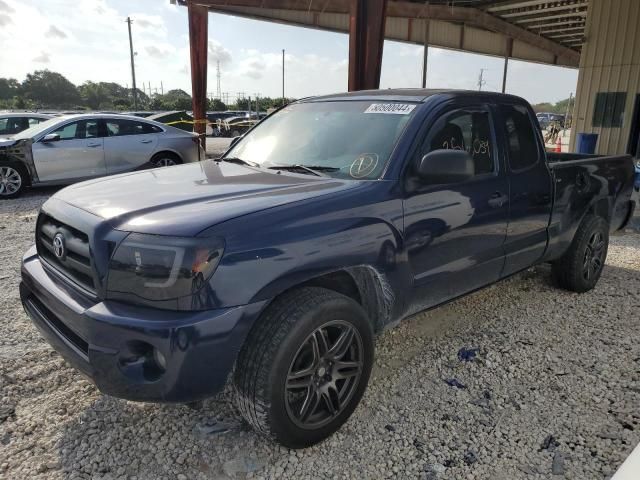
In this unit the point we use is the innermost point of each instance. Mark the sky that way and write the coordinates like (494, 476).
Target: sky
(88, 40)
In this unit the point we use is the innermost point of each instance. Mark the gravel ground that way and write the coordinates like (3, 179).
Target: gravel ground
(552, 392)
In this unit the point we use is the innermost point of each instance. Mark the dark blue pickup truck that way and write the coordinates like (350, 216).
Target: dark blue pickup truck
(274, 266)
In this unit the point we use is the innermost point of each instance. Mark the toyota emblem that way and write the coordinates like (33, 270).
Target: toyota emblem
(58, 245)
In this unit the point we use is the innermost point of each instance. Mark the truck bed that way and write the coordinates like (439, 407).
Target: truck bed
(588, 183)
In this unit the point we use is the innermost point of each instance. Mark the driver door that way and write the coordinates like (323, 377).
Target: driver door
(77, 154)
(455, 233)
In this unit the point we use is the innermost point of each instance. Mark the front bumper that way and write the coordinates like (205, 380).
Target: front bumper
(112, 343)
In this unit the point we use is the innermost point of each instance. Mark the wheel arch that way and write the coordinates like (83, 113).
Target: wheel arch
(19, 165)
(364, 284)
(165, 150)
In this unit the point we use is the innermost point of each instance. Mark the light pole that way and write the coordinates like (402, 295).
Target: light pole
(133, 68)
(283, 77)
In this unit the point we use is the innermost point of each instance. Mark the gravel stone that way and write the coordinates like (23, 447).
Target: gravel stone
(552, 363)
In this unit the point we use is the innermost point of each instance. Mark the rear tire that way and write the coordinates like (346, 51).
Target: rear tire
(293, 358)
(580, 267)
(165, 159)
(13, 180)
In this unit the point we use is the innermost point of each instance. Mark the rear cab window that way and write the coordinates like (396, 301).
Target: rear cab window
(520, 136)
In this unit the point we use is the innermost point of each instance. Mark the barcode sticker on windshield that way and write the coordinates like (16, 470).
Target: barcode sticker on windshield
(391, 108)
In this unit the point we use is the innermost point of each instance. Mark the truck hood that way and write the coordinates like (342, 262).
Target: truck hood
(186, 199)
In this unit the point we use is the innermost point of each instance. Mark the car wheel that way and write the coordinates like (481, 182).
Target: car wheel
(304, 366)
(580, 267)
(165, 159)
(12, 180)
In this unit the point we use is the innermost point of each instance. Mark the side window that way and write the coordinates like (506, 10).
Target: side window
(144, 128)
(78, 130)
(68, 131)
(468, 130)
(34, 121)
(118, 128)
(3, 125)
(522, 145)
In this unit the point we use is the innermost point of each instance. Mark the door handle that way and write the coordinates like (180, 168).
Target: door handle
(146, 141)
(498, 199)
(94, 145)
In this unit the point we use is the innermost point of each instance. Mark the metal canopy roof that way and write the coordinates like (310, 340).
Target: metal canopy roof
(544, 31)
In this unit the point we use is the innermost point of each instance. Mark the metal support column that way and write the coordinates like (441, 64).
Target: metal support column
(366, 41)
(507, 54)
(198, 39)
(427, 24)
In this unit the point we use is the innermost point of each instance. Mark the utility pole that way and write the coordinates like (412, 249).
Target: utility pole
(568, 124)
(161, 88)
(133, 68)
(481, 81)
(283, 77)
(218, 75)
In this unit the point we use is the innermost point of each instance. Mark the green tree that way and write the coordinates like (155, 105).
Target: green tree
(9, 88)
(50, 89)
(216, 105)
(172, 100)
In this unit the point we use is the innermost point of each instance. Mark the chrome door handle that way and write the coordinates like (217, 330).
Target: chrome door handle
(94, 145)
(146, 141)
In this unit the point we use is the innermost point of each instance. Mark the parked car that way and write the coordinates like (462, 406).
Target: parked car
(236, 126)
(177, 119)
(71, 148)
(12, 123)
(546, 119)
(333, 219)
(637, 181)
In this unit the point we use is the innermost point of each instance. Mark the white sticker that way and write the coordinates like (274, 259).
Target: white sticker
(391, 108)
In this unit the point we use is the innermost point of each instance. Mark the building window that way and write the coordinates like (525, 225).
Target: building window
(609, 109)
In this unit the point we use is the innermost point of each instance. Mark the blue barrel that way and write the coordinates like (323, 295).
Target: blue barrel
(587, 143)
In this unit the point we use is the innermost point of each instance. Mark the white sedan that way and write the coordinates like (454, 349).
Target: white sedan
(77, 147)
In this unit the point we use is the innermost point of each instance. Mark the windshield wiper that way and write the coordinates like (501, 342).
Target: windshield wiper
(237, 160)
(313, 169)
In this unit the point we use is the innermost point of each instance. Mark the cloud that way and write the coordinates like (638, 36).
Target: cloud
(54, 32)
(217, 53)
(5, 20)
(4, 7)
(158, 52)
(149, 24)
(44, 57)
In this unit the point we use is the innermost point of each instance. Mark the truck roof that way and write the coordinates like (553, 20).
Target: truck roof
(411, 95)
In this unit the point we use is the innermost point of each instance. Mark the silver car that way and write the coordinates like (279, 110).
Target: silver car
(77, 147)
(16, 122)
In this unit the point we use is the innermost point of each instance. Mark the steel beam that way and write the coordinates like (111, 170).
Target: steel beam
(367, 20)
(198, 39)
(403, 9)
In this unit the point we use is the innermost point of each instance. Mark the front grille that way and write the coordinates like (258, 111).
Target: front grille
(75, 263)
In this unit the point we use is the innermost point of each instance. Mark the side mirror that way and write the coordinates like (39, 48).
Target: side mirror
(51, 137)
(446, 166)
(235, 140)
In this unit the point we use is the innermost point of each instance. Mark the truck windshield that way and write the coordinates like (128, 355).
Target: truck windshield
(347, 139)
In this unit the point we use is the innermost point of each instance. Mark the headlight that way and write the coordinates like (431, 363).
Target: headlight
(156, 268)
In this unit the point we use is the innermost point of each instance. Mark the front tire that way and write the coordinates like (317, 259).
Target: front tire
(304, 366)
(580, 267)
(13, 180)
